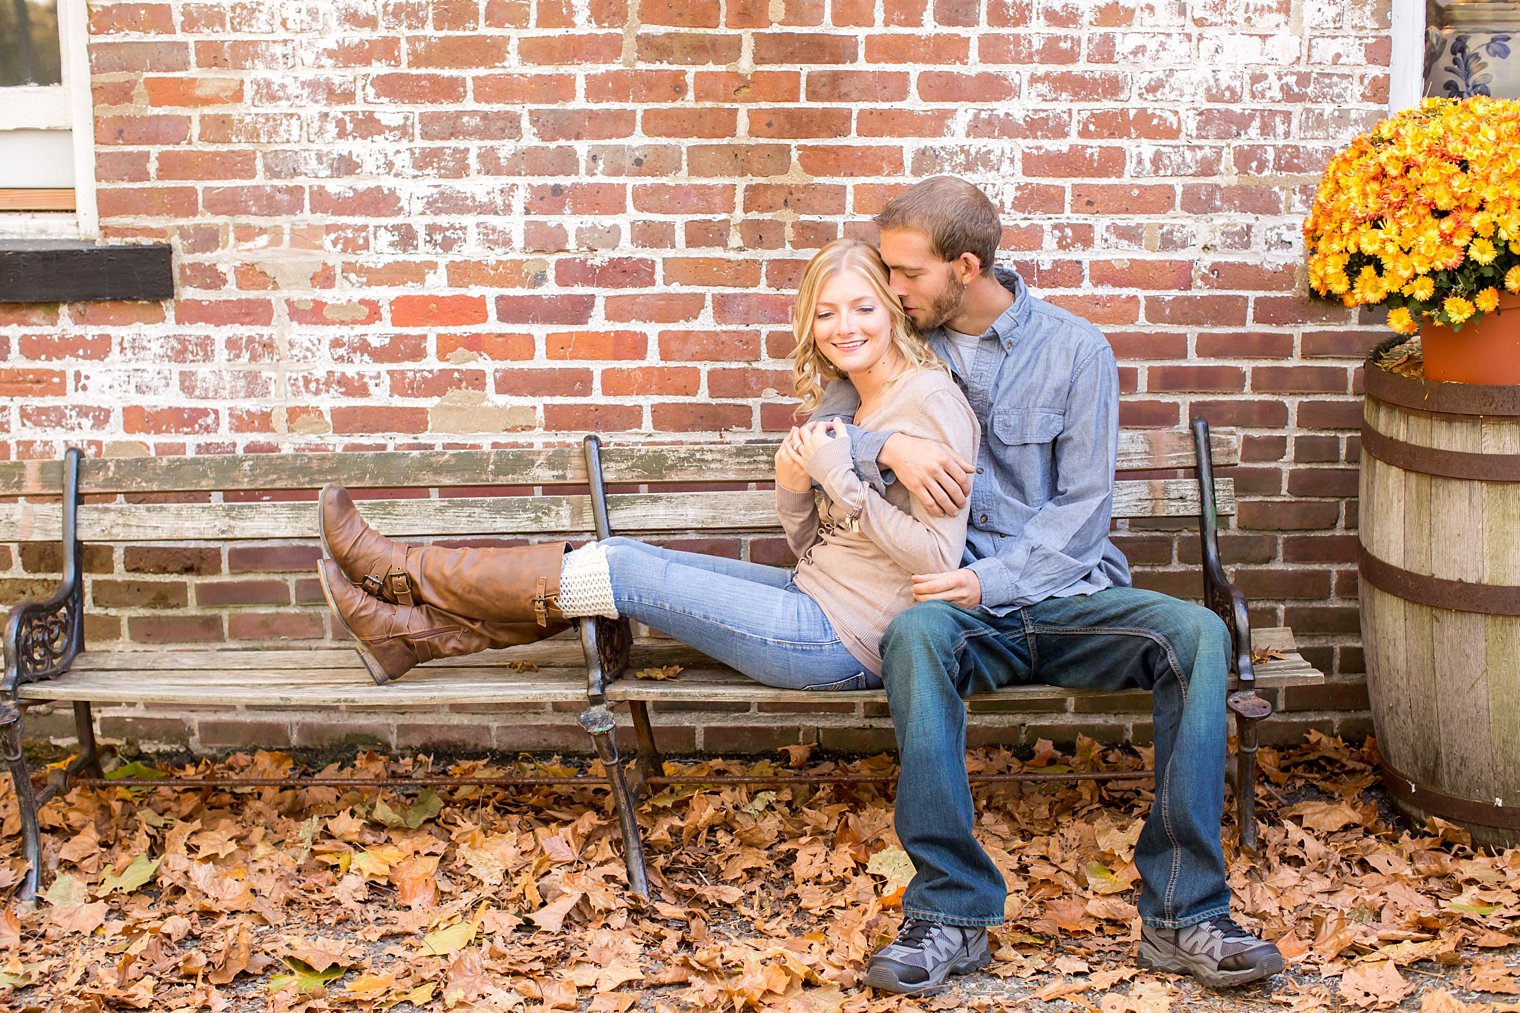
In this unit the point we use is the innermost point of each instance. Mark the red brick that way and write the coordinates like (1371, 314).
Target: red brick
(33, 382)
(416, 89)
(282, 625)
(1029, 49)
(1249, 277)
(154, 130)
(1323, 482)
(206, 164)
(1150, 124)
(706, 272)
(596, 345)
(918, 50)
(495, 273)
(179, 421)
(592, 418)
(749, 382)
(174, 629)
(254, 201)
(946, 86)
(688, 48)
(1325, 414)
(572, 50)
(64, 346)
(731, 87)
(544, 309)
(458, 15)
(799, 122)
(678, 14)
(367, 348)
(1042, 124)
(1101, 309)
(1287, 311)
(273, 558)
(850, 160)
(701, 417)
(1122, 199)
(379, 419)
(758, 13)
(646, 380)
(1290, 515)
(1190, 379)
(751, 308)
(249, 128)
(1243, 413)
(903, 123)
(1151, 275)
(1205, 310)
(126, 18)
(242, 592)
(1299, 380)
(538, 382)
(470, 125)
(582, 124)
(1212, 198)
(434, 383)
(523, 89)
(464, 51)
(193, 91)
(1245, 345)
(224, 312)
(682, 121)
(659, 308)
(786, 49)
(636, 86)
(738, 160)
(1077, 86)
(1340, 344)
(1129, 345)
(709, 346)
(1074, 161)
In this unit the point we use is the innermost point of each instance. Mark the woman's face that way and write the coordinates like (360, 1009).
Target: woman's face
(851, 327)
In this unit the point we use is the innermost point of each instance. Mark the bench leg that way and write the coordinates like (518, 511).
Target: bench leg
(26, 802)
(648, 759)
(598, 722)
(84, 730)
(1245, 782)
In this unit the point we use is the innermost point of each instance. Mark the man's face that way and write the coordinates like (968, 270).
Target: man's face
(931, 290)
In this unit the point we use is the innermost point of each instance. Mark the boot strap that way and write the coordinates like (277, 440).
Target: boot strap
(542, 601)
(394, 586)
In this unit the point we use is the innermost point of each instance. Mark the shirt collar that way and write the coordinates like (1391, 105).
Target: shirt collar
(1009, 323)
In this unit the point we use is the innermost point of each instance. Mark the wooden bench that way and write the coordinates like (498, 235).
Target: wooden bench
(708, 489)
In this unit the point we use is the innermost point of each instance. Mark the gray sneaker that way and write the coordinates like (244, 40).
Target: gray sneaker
(1217, 952)
(924, 954)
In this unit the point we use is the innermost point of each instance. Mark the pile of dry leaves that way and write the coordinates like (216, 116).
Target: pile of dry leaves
(320, 898)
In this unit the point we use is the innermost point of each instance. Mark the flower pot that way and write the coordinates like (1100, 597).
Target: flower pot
(1470, 50)
(1486, 351)
(1439, 567)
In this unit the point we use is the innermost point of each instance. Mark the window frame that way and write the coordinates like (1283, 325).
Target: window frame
(67, 106)
(1406, 66)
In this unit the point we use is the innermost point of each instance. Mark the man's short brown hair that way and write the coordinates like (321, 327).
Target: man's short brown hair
(956, 216)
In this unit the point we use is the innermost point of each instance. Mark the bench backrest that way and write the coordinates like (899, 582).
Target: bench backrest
(653, 489)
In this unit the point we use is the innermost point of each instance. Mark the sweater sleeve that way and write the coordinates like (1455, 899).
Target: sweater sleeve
(798, 513)
(915, 540)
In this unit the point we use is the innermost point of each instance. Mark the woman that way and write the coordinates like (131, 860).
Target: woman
(815, 627)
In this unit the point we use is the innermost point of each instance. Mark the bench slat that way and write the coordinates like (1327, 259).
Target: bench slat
(743, 461)
(631, 513)
(332, 676)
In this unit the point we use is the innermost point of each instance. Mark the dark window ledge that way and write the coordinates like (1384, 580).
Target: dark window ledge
(49, 270)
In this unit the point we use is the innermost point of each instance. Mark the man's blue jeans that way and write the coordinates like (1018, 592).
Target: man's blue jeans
(1119, 638)
(747, 615)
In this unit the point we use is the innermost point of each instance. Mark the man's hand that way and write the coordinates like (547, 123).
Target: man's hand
(958, 587)
(937, 476)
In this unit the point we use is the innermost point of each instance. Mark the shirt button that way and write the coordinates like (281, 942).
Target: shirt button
(979, 471)
(983, 518)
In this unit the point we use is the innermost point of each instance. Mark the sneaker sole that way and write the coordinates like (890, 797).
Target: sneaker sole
(371, 663)
(1154, 959)
(882, 978)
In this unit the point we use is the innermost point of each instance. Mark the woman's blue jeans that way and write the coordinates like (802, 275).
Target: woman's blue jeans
(1119, 638)
(749, 616)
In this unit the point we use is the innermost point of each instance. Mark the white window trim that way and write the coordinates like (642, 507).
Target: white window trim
(1406, 69)
(68, 106)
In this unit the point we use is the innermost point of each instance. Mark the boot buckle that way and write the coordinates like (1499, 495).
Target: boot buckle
(394, 586)
(542, 600)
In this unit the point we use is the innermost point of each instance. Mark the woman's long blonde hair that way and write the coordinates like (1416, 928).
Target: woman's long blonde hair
(809, 366)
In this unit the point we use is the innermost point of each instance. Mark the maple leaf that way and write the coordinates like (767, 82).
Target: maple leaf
(666, 672)
(321, 953)
(137, 872)
(1374, 985)
(1263, 654)
(1491, 975)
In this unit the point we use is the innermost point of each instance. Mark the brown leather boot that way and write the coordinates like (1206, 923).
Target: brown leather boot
(512, 585)
(394, 639)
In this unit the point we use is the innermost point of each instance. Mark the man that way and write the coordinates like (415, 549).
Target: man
(1044, 596)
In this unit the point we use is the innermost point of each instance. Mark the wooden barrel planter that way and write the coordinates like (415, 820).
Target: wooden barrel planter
(1439, 561)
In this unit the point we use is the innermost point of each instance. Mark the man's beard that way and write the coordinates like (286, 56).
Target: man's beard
(947, 303)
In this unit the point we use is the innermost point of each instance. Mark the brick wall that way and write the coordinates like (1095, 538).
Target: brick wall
(474, 222)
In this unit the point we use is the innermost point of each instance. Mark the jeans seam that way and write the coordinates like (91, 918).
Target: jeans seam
(1177, 923)
(1169, 895)
(666, 607)
(956, 920)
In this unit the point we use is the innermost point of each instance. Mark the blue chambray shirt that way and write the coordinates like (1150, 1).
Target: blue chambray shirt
(1045, 387)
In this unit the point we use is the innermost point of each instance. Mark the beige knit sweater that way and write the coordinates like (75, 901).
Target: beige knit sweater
(856, 549)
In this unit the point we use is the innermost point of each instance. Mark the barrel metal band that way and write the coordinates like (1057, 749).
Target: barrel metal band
(1434, 396)
(1444, 463)
(1462, 810)
(1457, 595)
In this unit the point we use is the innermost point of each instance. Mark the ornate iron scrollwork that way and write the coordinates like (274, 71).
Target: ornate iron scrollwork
(45, 640)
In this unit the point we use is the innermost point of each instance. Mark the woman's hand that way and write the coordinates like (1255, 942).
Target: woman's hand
(815, 434)
(791, 469)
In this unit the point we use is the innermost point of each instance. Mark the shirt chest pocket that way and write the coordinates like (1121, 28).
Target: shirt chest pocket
(1021, 426)
(1023, 447)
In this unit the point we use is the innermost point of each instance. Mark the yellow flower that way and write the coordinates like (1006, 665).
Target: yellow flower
(1482, 251)
(1422, 288)
(1458, 309)
(1487, 300)
(1512, 279)
(1401, 321)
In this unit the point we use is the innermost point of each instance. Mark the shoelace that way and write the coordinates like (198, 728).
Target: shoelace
(914, 932)
(1229, 930)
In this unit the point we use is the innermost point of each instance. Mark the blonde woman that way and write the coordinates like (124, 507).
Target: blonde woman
(817, 626)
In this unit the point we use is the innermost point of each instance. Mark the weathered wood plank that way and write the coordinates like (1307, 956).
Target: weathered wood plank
(560, 464)
(631, 513)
